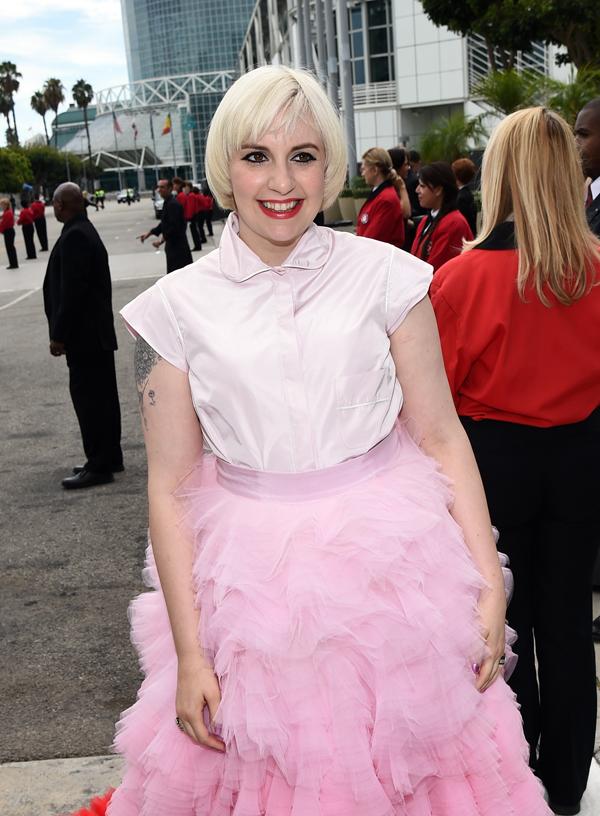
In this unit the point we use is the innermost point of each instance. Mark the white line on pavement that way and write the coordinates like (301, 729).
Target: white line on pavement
(21, 297)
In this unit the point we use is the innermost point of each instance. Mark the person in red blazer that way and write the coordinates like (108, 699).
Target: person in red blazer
(190, 208)
(382, 215)
(38, 208)
(519, 320)
(26, 223)
(7, 228)
(440, 235)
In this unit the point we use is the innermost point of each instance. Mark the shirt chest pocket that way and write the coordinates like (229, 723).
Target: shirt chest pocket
(362, 405)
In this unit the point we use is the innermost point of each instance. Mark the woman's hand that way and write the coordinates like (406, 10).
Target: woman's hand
(492, 612)
(197, 687)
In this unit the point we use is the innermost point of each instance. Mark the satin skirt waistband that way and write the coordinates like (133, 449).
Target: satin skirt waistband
(311, 484)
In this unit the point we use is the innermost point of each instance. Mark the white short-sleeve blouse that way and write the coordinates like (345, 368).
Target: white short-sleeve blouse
(289, 367)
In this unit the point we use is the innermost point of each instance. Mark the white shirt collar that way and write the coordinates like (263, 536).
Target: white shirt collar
(595, 187)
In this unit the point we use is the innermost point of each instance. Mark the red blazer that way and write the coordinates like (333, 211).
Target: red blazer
(189, 205)
(38, 209)
(445, 241)
(8, 220)
(381, 216)
(25, 216)
(513, 360)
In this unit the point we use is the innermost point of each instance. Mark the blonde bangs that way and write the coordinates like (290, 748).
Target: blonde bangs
(531, 170)
(268, 96)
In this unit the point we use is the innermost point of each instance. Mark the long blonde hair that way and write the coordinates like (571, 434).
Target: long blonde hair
(379, 157)
(531, 171)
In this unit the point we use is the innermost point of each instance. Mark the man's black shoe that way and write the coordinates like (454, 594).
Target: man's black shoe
(564, 810)
(596, 629)
(118, 469)
(86, 478)
(12, 267)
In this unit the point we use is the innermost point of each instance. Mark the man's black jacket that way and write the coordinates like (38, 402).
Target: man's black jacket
(77, 290)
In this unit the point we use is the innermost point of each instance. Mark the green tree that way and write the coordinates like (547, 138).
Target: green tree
(40, 105)
(494, 21)
(451, 137)
(508, 90)
(49, 166)
(569, 98)
(54, 93)
(15, 170)
(514, 24)
(83, 93)
(9, 83)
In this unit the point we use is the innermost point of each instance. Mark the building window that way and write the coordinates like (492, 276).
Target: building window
(371, 42)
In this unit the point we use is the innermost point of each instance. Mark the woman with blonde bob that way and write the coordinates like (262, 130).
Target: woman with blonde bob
(519, 317)
(325, 632)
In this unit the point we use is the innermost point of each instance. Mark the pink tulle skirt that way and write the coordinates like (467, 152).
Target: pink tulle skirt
(339, 609)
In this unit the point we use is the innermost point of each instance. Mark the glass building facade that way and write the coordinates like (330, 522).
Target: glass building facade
(175, 37)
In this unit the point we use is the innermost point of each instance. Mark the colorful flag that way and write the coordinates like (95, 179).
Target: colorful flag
(167, 125)
(116, 125)
(135, 130)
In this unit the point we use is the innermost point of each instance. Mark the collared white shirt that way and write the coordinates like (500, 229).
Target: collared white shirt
(290, 367)
(595, 188)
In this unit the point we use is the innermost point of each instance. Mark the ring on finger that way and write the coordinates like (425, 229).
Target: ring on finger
(179, 724)
(502, 660)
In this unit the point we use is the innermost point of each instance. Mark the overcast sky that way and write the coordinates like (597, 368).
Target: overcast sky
(67, 39)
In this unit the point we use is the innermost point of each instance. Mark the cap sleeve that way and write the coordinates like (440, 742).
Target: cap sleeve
(407, 283)
(150, 316)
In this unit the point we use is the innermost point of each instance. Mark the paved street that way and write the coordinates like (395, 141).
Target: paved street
(70, 561)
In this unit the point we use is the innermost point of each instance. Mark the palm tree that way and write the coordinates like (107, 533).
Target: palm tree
(451, 137)
(9, 82)
(508, 90)
(54, 93)
(40, 105)
(569, 98)
(83, 93)
(5, 111)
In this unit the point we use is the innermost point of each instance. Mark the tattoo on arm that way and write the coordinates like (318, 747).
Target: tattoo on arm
(145, 358)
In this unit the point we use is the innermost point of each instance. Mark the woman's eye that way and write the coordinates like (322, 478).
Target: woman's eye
(304, 158)
(256, 157)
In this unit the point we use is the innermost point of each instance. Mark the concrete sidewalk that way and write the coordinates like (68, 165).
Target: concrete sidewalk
(55, 787)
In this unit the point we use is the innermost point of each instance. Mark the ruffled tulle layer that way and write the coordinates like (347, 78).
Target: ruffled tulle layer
(343, 631)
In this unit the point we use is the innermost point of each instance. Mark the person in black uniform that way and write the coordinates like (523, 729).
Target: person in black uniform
(587, 134)
(465, 171)
(78, 305)
(172, 228)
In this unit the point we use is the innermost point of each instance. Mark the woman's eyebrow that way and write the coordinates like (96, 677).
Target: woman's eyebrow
(266, 149)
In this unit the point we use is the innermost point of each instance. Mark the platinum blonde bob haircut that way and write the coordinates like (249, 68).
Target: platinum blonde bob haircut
(248, 111)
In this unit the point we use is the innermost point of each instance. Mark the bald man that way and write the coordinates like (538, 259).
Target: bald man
(78, 305)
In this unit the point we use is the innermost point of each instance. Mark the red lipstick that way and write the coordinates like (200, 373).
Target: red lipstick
(281, 215)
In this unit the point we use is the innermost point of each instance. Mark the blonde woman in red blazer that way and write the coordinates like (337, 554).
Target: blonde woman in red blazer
(382, 215)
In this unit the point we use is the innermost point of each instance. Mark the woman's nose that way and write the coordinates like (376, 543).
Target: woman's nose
(282, 179)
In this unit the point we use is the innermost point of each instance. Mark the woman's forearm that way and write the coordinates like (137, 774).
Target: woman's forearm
(173, 553)
(469, 507)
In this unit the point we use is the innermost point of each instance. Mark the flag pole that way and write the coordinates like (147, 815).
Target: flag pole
(173, 146)
(117, 150)
(153, 147)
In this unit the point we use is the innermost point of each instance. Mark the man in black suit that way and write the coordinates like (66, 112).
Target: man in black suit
(78, 305)
(587, 134)
(172, 228)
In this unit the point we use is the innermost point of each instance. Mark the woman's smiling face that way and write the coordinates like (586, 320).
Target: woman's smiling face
(278, 186)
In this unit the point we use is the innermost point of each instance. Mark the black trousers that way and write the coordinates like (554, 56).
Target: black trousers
(42, 232)
(208, 221)
(178, 254)
(93, 387)
(9, 243)
(542, 489)
(28, 238)
(196, 240)
(200, 218)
